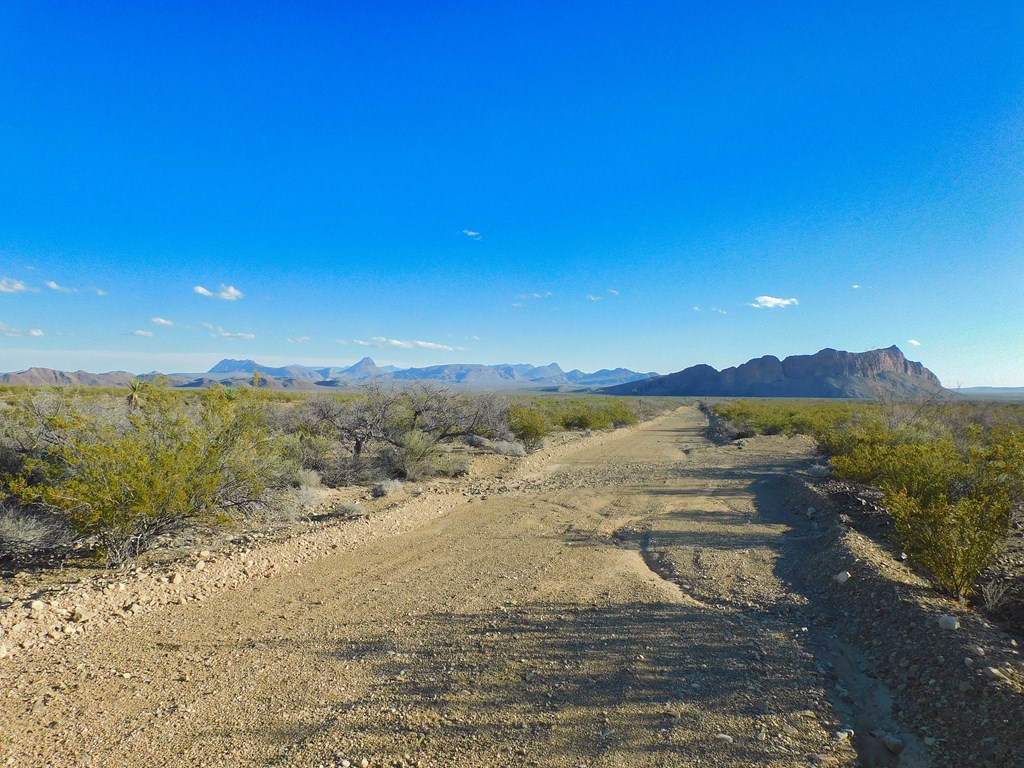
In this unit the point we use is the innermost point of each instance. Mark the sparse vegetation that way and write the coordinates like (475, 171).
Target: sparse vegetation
(122, 479)
(119, 470)
(951, 473)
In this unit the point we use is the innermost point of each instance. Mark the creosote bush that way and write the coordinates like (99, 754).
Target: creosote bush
(951, 474)
(168, 463)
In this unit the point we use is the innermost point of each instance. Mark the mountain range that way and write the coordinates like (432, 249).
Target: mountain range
(302, 377)
(827, 373)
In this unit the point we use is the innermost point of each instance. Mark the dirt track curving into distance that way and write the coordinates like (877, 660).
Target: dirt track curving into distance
(622, 604)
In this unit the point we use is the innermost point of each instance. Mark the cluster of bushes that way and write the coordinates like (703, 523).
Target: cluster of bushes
(118, 471)
(952, 474)
(122, 474)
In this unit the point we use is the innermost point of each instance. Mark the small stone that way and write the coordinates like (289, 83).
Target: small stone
(994, 674)
(204, 554)
(724, 737)
(824, 760)
(930, 741)
(364, 763)
(964, 686)
(177, 578)
(842, 577)
(893, 744)
(345, 764)
(201, 565)
(949, 622)
(37, 605)
(968, 662)
(976, 650)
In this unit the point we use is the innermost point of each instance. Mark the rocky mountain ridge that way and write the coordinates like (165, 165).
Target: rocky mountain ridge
(827, 373)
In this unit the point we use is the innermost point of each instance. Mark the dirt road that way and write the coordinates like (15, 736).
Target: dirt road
(625, 606)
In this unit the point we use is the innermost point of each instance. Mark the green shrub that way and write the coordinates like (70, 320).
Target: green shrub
(955, 541)
(529, 425)
(167, 465)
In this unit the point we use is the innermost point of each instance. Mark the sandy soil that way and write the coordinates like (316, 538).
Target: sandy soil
(639, 598)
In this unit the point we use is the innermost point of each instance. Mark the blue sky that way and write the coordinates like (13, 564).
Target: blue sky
(596, 184)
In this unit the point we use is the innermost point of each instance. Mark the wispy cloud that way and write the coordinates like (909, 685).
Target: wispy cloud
(220, 333)
(53, 286)
(592, 297)
(161, 321)
(613, 292)
(226, 292)
(381, 341)
(472, 234)
(10, 285)
(772, 302)
(695, 308)
(914, 342)
(143, 334)
(6, 330)
(719, 311)
(536, 296)
(298, 340)
(98, 291)
(855, 286)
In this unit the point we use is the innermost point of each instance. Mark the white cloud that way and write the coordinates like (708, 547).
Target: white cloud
(719, 311)
(914, 342)
(592, 297)
(613, 292)
(298, 340)
(537, 295)
(161, 321)
(855, 286)
(54, 287)
(220, 333)
(226, 292)
(10, 285)
(433, 345)
(6, 330)
(471, 233)
(98, 291)
(772, 302)
(695, 308)
(381, 341)
(343, 342)
(144, 334)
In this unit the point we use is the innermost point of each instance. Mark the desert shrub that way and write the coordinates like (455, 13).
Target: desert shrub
(956, 540)
(386, 488)
(476, 441)
(530, 426)
(452, 465)
(23, 533)
(951, 473)
(306, 497)
(307, 478)
(414, 458)
(169, 464)
(349, 510)
(508, 448)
